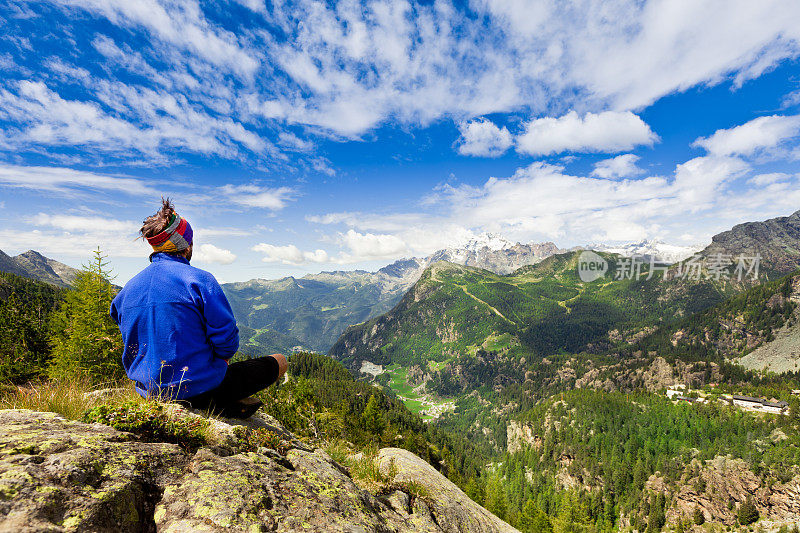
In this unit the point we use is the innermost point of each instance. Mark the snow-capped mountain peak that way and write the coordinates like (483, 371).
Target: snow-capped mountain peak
(491, 241)
(661, 251)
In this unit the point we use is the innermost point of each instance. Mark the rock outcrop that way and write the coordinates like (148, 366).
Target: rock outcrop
(720, 485)
(61, 475)
(776, 241)
(451, 509)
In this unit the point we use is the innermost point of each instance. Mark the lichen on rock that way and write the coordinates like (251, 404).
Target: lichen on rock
(62, 475)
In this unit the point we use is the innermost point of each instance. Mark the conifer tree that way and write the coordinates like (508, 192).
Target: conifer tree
(373, 421)
(747, 513)
(86, 342)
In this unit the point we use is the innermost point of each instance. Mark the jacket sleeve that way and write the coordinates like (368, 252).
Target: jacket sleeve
(221, 327)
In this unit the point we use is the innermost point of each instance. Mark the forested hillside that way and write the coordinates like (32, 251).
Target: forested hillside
(26, 308)
(457, 320)
(600, 461)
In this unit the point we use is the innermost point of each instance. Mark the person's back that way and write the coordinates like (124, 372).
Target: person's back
(179, 330)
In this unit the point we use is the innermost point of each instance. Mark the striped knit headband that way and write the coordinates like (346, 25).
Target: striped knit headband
(176, 237)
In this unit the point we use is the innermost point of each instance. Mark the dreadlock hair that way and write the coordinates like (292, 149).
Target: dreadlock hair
(155, 224)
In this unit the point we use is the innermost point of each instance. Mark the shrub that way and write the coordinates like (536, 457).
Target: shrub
(151, 423)
(699, 517)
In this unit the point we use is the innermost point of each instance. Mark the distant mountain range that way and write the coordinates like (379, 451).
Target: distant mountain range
(313, 311)
(659, 250)
(460, 322)
(34, 265)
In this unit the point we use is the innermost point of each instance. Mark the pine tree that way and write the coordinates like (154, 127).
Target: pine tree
(86, 342)
(495, 500)
(747, 513)
(373, 420)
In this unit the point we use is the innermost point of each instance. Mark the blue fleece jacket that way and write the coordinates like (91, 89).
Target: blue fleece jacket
(178, 329)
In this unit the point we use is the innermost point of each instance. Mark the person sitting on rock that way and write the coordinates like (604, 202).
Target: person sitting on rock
(179, 331)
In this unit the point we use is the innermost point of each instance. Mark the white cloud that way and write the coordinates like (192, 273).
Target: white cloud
(184, 26)
(201, 81)
(208, 253)
(68, 181)
(89, 224)
(762, 133)
(542, 202)
(257, 196)
(152, 121)
(609, 131)
(254, 5)
(358, 247)
(482, 137)
(366, 246)
(292, 142)
(289, 254)
(78, 244)
(762, 180)
(622, 166)
(791, 99)
(631, 53)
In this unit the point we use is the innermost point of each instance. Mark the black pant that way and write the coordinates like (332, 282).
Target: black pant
(243, 379)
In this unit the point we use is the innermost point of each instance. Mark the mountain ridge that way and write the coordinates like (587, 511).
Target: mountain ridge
(460, 327)
(34, 265)
(316, 308)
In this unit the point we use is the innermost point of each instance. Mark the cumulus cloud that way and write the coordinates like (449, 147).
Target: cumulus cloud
(289, 254)
(356, 247)
(76, 236)
(365, 246)
(483, 137)
(609, 131)
(77, 245)
(759, 134)
(208, 253)
(542, 202)
(257, 196)
(622, 166)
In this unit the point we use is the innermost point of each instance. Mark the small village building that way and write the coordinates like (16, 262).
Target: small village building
(759, 404)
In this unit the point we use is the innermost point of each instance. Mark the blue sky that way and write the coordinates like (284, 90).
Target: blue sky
(306, 136)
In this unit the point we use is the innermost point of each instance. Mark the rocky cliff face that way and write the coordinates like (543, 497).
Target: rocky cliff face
(61, 475)
(718, 486)
(776, 240)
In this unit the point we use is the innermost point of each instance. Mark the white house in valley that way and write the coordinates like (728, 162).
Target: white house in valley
(759, 404)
